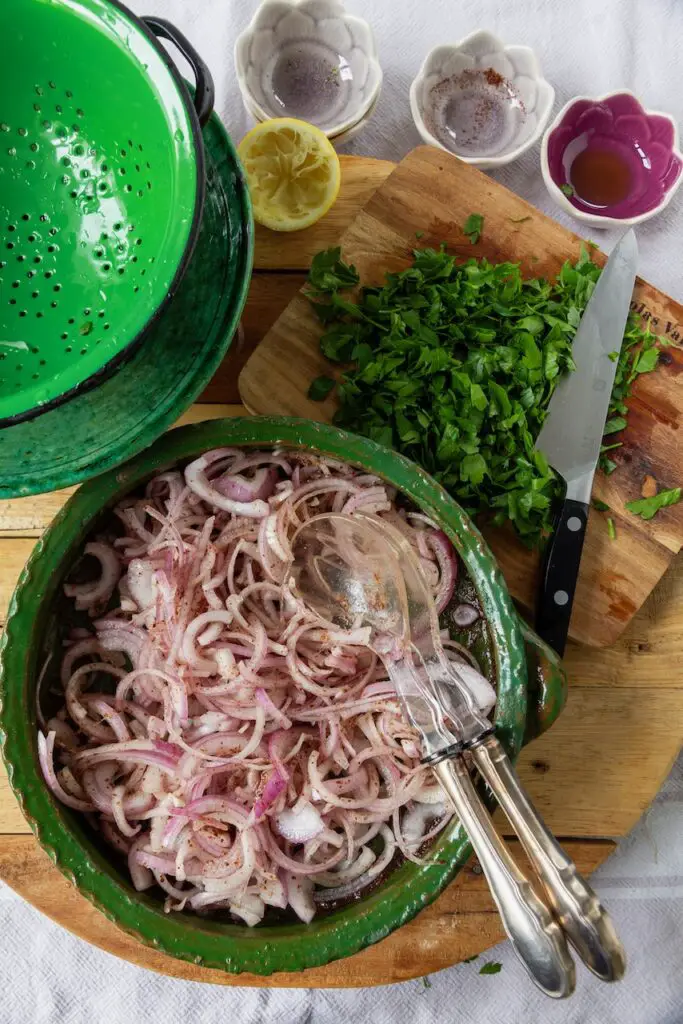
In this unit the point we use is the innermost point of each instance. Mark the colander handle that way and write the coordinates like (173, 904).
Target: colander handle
(204, 90)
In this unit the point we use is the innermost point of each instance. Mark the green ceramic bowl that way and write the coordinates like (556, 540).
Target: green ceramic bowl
(515, 662)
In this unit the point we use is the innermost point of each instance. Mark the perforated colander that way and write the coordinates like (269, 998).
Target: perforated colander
(101, 191)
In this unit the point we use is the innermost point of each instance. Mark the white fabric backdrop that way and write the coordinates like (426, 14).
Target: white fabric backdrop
(49, 977)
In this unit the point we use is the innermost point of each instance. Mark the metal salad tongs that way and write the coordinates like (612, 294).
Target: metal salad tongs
(365, 569)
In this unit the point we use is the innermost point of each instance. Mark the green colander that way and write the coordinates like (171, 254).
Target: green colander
(101, 191)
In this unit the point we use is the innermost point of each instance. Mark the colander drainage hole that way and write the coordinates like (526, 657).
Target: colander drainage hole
(11, 227)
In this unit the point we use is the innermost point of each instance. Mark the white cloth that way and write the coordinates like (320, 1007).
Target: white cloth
(49, 977)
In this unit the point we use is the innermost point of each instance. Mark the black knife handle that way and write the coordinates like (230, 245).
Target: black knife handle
(558, 582)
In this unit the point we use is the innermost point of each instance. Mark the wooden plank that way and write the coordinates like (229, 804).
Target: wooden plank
(598, 768)
(13, 556)
(269, 295)
(461, 923)
(616, 575)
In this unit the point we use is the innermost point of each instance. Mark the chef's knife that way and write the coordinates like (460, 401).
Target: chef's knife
(572, 434)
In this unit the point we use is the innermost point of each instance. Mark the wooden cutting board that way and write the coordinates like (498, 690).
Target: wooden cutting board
(592, 775)
(433, 192)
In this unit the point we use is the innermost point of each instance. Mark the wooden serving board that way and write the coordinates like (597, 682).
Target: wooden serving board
(432, 192)
(592, 775)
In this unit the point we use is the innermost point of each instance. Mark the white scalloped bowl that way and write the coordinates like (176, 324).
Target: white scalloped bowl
(484, 101)
(308, 59)
(340, 138)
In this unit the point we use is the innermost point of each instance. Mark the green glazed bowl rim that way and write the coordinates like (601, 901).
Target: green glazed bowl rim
(222, 945)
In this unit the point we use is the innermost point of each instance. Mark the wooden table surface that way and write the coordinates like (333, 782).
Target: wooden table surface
(592, 775)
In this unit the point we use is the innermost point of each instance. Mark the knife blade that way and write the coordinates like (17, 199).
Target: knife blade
(572, 434)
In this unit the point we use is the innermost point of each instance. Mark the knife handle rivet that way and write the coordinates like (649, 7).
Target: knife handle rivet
(574, 524)
(561, 597)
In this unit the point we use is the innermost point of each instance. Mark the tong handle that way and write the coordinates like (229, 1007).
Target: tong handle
(535, 935)
(577, 907)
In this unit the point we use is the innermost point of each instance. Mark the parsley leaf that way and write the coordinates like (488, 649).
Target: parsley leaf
(329, 273)
(646, 508)
(647, 360)
(320, 388)
(614, 425)
(567, 189)
(492, 967)
(469, 959)
(426, 981)
(600, 506)
(474, 225)
(454, 364)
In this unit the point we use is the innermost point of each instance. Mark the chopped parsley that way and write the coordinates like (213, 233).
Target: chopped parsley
(320, 388)
(454, 364)
(474, 225)
(567, 189)
(492, 967)
(646, 508)
(611, 528)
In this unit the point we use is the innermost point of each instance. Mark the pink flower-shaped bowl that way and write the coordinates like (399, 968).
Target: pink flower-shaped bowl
(642, 146)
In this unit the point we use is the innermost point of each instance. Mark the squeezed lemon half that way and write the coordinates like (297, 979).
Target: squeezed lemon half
(293, 173)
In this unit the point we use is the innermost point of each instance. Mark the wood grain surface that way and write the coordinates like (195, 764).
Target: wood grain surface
(592, 774)
(616, 576)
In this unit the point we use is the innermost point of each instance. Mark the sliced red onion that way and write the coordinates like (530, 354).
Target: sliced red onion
(45, 753)
(465, 615)
(299, 826)
(300, 896)
(141, 582)
(141, 876)
(250, 908)
(258, 748)
(239, 488)
(96, 594)
(482, 692)
(448, 568)
(272, 790)
(357, 883)
(197, 481)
